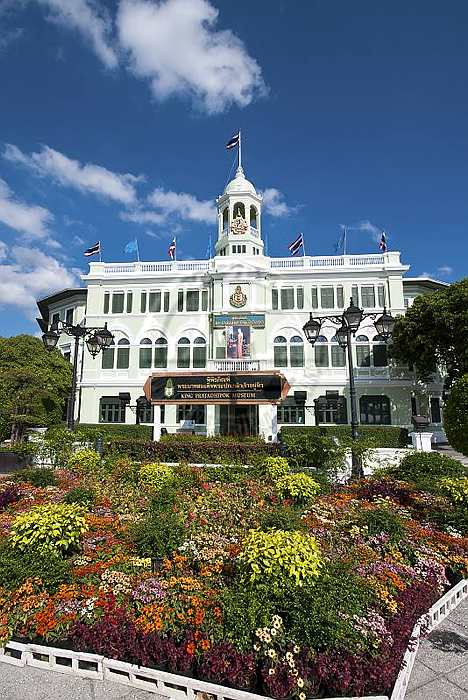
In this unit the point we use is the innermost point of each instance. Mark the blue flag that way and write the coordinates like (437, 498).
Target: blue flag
(131, 247)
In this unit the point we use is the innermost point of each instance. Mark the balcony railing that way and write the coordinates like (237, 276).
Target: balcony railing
(235, 365)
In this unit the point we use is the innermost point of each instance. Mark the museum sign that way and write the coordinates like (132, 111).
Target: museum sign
(216, 388)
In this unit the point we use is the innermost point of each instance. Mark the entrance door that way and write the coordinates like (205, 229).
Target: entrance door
(238, 420)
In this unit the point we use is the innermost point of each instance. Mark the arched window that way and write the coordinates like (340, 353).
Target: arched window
(296, 351)
(338, 355)
(199, 352)
(362, 351)
(321, 352)
(280, 351)
(253, 217)
(225, 219)
(379, 352)
(146, 352)
(183, 353)
(160, 353)
(239, 210)
(375, 410)
(123, 354)
(108, 357)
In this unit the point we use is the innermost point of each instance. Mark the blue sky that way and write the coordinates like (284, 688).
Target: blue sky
(114, 115)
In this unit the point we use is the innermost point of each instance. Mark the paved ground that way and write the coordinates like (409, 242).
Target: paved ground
(450, 452)
(441, 668)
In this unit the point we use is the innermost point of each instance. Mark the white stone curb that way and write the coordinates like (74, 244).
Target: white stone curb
(430, 620)
(177, 687)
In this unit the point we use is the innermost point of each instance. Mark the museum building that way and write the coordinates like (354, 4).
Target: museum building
(216, 346)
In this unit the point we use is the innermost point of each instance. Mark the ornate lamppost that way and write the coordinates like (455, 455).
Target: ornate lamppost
(349, 323)
(96, 339)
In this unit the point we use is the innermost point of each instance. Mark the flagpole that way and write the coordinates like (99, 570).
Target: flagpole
(137, 250)
(344, 239)
(240, 149)
(100, 256)
(303, 246)
(175, 250)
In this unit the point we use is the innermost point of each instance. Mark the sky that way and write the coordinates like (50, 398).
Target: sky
(114, 115)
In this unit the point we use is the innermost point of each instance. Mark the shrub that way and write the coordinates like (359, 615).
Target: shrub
(300, 487)
(306, 449)
(84, 461)
(274, 467)
(380, 436)
(80, 495)
(16, 567)
(280, 556)
(427, 468)
(282, 518)
(55, 527)
(123, 469)
(456, 415)
(245, 607)
(9, 495)
(156, 475)
(225, 665)
(36, 477)
(91, 431)
(456, 489)
(162, 529)
(383, 520)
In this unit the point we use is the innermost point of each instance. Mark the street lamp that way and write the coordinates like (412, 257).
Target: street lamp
(96, 340)
(349, 322)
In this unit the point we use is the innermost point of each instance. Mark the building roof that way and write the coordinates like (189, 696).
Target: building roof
(240, 184)
(427, 282)
(44, 303)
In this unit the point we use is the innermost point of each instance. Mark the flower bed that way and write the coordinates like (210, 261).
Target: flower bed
(242, 578)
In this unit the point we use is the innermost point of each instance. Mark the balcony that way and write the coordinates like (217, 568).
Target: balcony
(387, 373)
(235, 365)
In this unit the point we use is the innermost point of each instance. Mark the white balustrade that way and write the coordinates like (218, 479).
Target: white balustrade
(234, 365)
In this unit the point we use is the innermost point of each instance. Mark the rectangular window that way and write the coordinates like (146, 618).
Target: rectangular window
(129, 302)
(296, 354)
(118, 303)
(67, 356)
(123, 357)
(180, 300)
(287, 298)
(314, 298)
(340, 297)
(183, 356)
(220, 352)
(375, 410)
(280, 353)
(193, 300)
(414, 406)
(331, 409)
(327, 297)
(338, 356)
(192, 413)
(381, 295)
(107, 358)
(321, 356)
(300, 297)
(154, 302)
(290, 412)
(355, 295)
(145, 412)
(160, 356)
(69, 316)
(143, 303)
(368, 297)
(435, 410)
(199, 356)
(106, 302)
(274, 299)
(166, 302)
(363, 355)
(112, 410)
(380, 356)
(204, 300)
(55, 319)
(145, 357)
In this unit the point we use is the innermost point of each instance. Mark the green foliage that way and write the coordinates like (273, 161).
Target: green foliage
(156, 475)
(81, 495)
(299, 486)
(383, 520)
(456, 415)
(162, 529)
(282, 518)
(273, 468)
(456, 490)
(245, 607)
(55, 527)
(33, 385)
(426, 469)
(280, 556)
(17, 566)
(227, 473)
(123, 469)
(434, 331)
(85, 461)
(36, 477)
(109, 432)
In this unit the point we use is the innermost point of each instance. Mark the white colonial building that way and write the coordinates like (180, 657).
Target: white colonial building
(240, 315)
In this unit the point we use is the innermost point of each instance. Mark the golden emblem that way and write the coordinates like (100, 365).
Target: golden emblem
(238, 298)
(239, 224)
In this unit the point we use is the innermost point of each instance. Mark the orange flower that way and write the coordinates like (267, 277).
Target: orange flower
(190, 648)
(205, 644)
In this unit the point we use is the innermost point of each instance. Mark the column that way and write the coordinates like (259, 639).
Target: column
(157, 423)
(210, 420)
(267, 422)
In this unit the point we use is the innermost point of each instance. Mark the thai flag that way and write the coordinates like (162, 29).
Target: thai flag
(296, 245)
(171, 251)
(233, 142)
(94, 250)
(383, 243)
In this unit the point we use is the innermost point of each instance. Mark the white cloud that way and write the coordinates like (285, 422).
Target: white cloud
(9, 37)
(368, 226)
(185, 205)
(445, 270)
(90, 20)
(30, 274)
(140, 216)
(89, 178)
(176, 46)
(274, 204)
(30, 220)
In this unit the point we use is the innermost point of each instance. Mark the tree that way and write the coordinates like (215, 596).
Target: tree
(34, 385)
(434, 333)
(456, 415)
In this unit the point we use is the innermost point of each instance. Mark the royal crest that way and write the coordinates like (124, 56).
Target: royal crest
(169, 389)
(238, 298)
(239, 225)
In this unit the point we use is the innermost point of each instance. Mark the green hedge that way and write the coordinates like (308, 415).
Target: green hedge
(380, 436)
(195, 449)
(456, 415)
(110, 431)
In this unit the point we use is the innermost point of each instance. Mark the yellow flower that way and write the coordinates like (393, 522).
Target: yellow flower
(302, 696)
(271, 653)
(300, 682)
